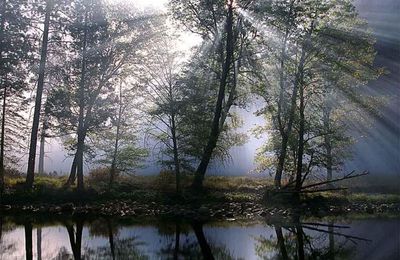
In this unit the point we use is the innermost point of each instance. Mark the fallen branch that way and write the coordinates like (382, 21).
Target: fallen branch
(311, 191)
(348, 176)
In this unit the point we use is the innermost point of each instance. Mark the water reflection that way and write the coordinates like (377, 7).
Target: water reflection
(107, 238)
(294, 242)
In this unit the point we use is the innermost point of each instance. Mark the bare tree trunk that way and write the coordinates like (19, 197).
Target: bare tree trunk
(215, 130)
(39, 243)
(286, 134)
(115, 154)
(298, 81)
(30, 175)
(328, 145)
(81, 134)
(1, 229)
(3, 119)
(3, 122)
(176, 155)
(42, 145)
(28, 241)
(300, 151)
(281, 123)
(72, 174)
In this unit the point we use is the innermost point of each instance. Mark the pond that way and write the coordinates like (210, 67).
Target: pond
(107, 238)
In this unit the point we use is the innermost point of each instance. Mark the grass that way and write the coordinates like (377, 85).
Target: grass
(161, 189)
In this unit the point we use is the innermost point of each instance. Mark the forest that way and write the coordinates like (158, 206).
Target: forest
(120, 87)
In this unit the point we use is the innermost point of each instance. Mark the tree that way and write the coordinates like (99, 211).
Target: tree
(117, 146)
(15, 49)
(163, 89)
(38, 100)
(204, 18)
(102, 49)
(318, 45)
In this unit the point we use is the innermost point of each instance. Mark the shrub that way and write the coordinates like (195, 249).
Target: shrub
(100, 177)
(12, 173)
(165, 179)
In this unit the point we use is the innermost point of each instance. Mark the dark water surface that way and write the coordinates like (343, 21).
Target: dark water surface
(107, 238)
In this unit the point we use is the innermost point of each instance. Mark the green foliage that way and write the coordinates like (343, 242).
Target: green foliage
(339, 52)
(16, 55)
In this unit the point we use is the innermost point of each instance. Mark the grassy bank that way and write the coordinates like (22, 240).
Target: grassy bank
(161, 189)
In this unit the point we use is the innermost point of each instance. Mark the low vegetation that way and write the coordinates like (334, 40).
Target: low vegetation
(160, 189)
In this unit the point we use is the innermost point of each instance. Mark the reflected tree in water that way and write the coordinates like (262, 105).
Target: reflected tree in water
(292, 242)
(6, 247)
(184, 247)
(117, 248)
(28, 240)
(39, 243)
(75, 238)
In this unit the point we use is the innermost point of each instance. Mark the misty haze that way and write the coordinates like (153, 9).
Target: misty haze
(173, 129)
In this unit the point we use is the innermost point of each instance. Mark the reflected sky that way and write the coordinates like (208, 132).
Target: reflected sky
(358, 239)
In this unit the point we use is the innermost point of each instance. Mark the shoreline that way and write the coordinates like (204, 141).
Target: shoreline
(228, 210)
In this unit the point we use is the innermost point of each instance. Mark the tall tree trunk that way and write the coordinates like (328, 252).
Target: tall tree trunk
(328, 145)
(115, 154)
(30, 175)
(79, 161)
(42, 145)
(2, 170)
(280, 117)
(215, 130)
(1, 229)
(81, 131)
(72, 174)
(3, 122)
(300, 151)
(28, 240)
(201, 239)
(286, 134)
(39, 243)
(176, 155)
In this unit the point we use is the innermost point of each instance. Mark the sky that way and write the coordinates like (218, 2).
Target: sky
(157, 4)
(376, 151)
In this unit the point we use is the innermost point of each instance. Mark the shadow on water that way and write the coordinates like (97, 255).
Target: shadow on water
(108, 238)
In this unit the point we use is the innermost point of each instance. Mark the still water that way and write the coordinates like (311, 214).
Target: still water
(107, 238)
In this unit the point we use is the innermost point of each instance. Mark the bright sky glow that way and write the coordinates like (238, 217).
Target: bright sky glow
(143, 4)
